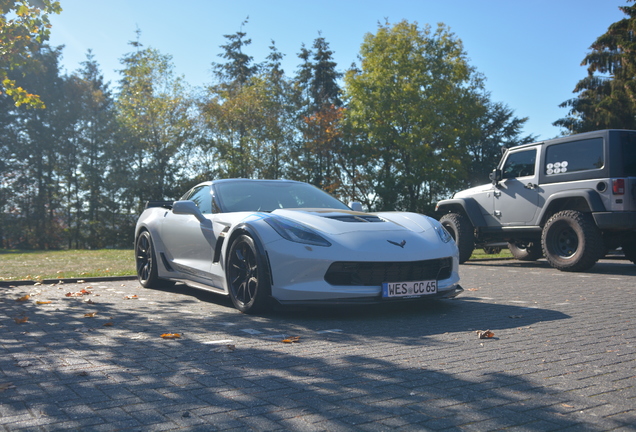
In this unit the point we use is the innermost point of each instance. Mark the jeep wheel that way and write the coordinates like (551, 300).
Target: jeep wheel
(491, 250)
(629, 248)
(525, 251)
(571, 241)
(461, 230)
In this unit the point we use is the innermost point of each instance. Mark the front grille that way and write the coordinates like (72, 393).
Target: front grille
(375, 273)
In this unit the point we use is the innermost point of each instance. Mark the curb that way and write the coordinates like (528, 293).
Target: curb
(8, 284)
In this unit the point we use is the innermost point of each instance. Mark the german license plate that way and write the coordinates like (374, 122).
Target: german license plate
(409, 289)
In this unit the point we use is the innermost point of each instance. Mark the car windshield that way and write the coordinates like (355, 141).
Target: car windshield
(267, 196)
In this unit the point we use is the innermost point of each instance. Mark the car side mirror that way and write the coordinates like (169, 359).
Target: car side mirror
(495, 176)
(355, 206)
(188, 207)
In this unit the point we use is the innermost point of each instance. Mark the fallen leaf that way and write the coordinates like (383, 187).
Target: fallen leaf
(472, 289)
(23, 298)
(487, 334)
(84, 291)
(129, 297)
(21, 320)
(90, 314)
(43, 302)
(24, 363)
(108, 324)
(292, 339)
(170, 335)
(89, 301)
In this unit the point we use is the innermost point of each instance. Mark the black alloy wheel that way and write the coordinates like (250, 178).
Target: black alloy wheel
(146, 263)
(248, 282)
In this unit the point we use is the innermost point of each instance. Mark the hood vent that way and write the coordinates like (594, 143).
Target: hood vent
(357, 218)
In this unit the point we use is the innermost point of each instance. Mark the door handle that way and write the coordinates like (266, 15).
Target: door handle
(531, 186)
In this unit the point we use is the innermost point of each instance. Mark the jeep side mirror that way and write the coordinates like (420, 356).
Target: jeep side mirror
(495, 176)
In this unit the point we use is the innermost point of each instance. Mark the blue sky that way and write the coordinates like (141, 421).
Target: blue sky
(529, 51)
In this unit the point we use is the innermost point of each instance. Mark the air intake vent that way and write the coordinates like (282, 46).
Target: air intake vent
(375, 273)
(356, 218)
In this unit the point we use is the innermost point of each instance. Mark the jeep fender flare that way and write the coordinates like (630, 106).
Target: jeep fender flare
(559, 201)
(466, 206)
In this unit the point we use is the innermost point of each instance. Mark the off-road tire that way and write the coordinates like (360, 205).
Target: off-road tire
(462, 231)
(492, 250)
(525, 251)
(571, 241)
(629, 248)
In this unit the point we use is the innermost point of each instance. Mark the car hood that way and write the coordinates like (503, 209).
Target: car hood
(335, 222)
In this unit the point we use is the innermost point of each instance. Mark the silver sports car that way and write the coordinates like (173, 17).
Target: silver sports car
(276, 241)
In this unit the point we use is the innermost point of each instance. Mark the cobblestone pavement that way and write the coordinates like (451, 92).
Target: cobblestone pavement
(563, 357)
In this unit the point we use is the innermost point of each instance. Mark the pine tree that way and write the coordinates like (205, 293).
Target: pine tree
(607, 95)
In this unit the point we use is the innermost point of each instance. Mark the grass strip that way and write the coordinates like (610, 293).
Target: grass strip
(38, 265)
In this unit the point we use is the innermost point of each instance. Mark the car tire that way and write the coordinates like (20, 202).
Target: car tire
(629, 248)
(525, 251)
(462, 231)
(146, 263)
(571, 241)
(248, 281)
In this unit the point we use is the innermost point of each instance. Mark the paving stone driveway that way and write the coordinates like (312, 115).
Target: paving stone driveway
(563, 357)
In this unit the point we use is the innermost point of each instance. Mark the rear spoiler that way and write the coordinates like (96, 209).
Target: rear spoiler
(164, 204)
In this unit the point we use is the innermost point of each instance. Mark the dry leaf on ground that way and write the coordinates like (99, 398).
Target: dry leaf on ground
(130, 297)
(23, 298)
(292, 339)
(170, 335)
(90, 315)
(485, 334)
(21, 320)
(6, 386)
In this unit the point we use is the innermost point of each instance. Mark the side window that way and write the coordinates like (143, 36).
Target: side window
(520, 164)
(574, 156)
(202, 198)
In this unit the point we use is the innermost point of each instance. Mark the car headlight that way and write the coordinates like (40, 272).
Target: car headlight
(442, 233)
(296, 232)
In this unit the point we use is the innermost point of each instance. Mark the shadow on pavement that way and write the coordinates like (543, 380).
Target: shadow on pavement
(70, 371)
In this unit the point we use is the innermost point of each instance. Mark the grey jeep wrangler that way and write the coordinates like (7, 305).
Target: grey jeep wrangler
(569, 199)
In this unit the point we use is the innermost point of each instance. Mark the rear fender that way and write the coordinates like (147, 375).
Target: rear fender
(583, 200)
